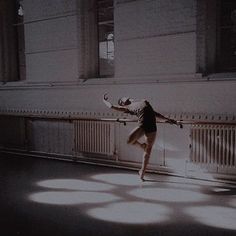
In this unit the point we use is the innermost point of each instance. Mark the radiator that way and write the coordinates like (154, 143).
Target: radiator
(213, 144)
(95, 137)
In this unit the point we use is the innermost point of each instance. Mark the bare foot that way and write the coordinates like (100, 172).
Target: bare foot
(141, 175)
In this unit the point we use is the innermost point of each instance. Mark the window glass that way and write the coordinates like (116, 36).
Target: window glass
(227, 37)
(20, 38)
(106, 38)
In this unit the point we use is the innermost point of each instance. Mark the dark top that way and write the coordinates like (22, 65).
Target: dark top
(145, 113)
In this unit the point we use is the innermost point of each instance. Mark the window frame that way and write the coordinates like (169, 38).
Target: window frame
(221, 65)
(20, 31)
(209, 40)
(9, 48)
(110, 24)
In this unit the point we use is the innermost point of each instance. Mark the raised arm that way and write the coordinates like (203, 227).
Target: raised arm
(114, 107)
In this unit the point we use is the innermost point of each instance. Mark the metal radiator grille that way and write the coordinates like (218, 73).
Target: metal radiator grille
(94, 137)
(213, 144)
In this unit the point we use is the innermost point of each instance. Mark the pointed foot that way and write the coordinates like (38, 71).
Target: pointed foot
(141, 175)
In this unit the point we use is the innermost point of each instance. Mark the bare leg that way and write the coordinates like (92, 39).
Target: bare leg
(150, 137)
(134, 136)
(145, 161)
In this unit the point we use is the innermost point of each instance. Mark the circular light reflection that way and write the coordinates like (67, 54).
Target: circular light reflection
(70, 198)
(168, 195)
(219, 217)
(75, 184)
(120, 179)
(131, 213)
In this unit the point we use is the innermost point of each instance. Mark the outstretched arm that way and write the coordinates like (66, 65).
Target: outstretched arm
(109, 105)
(167, 120)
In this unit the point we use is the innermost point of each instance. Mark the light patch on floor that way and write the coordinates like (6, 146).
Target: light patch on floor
(168, 195)
(123, 198)
(131, 213)
(120, 179)
(216, 216)
(72, 198)
(75, 184)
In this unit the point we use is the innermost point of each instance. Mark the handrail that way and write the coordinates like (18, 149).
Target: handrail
(120, 120)
(183, 122)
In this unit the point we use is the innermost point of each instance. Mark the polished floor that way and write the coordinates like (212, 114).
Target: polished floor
(48, 197)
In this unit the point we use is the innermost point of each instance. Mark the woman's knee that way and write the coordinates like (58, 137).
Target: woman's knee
(135, 135)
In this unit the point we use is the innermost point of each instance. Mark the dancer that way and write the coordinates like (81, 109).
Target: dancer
(146, 125)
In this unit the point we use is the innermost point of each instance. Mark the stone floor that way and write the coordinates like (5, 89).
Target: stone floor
(48, 197)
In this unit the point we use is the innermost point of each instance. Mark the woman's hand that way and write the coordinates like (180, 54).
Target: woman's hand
(105, 97)
(105, 100)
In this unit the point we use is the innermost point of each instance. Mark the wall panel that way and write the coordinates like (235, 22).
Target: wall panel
(51, 136)
(54, 34)
(41, 9)
(173, 54)
(56, 66)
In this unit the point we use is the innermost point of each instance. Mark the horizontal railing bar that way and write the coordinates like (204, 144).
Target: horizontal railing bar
(121, 120)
